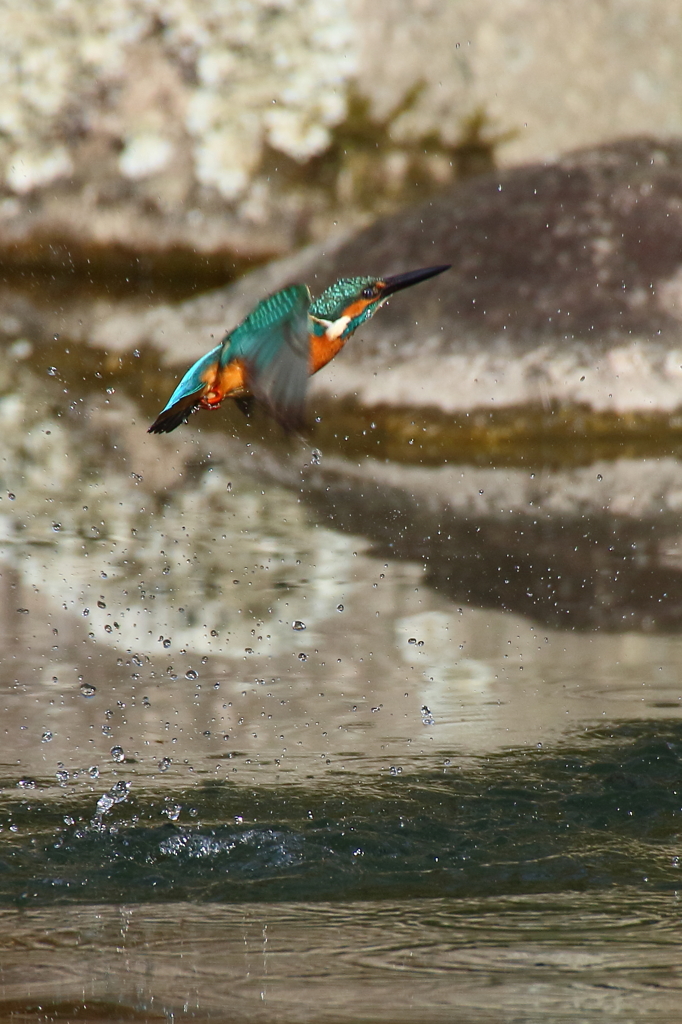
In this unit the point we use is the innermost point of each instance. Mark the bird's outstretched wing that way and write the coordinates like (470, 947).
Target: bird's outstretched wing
(187, 394)
(272, 342)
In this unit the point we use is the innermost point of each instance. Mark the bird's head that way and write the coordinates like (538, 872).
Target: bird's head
(350, 301)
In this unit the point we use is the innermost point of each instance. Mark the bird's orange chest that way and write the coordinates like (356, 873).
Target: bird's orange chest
(321, 350)
(324, 347)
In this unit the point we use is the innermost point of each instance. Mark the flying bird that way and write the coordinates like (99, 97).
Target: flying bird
(272, 352)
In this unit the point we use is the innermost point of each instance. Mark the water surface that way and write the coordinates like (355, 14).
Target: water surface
(317, 736)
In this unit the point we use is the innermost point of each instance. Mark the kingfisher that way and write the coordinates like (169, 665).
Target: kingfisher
(269, 356)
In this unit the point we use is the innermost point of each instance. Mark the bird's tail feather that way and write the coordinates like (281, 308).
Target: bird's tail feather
(178, 413)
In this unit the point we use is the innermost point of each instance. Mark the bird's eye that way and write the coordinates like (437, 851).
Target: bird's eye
(369, 292)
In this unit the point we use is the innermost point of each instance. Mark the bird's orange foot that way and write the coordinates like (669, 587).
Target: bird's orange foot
(211, 400)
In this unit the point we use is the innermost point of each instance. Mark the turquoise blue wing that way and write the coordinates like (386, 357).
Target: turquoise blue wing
(186, 396)
(272, 342)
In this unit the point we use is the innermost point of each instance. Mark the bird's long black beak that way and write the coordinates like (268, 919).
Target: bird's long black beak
(400, 281)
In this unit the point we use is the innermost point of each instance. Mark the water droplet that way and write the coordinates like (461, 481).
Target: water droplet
(427, 717)
(172, 811)
(117, 754)
(302, 657)
(11, 496)
(116, 795)
(191, 674)
(599, 476)
(164, 764)
(412, 640)
(339, 607)
(229, 486)
(104, 576)
(298, 625)
(62, 776)
(395, 770)
(315, 457)
(27, 783)
(56, 527)
(120, 790)
(104, 804)
(93, 771)
(52, 371)
(101, 604)
(166, 644)
(214, 632)
(46, 737)
(137, 660)
(88, 690)
(68, 820)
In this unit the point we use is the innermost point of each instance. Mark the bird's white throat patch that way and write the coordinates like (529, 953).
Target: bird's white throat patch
(337, 327)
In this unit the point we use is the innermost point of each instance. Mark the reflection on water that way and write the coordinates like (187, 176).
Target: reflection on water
(234, 675)
(562, 958)
(594, 546)
(216, 611)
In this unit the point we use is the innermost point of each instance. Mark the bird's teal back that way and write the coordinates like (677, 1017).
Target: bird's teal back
(272, 342)
(259, 337)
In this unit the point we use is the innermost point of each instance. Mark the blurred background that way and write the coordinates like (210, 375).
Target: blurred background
(239, 131)
(381, 721)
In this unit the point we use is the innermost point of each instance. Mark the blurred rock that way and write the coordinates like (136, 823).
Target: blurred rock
(144, 126)
(557, 76)
(152, 135)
